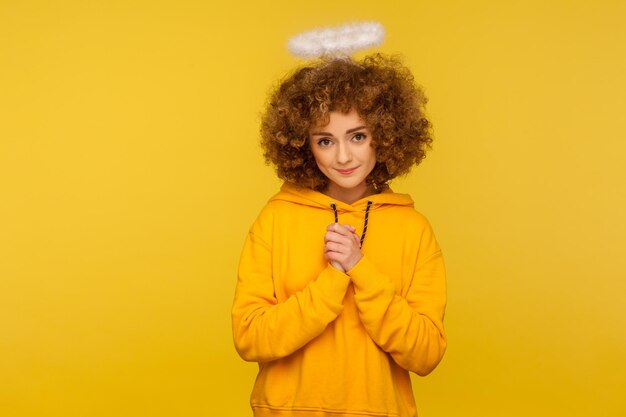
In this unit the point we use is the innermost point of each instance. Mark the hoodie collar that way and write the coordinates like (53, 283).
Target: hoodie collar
(306, 196)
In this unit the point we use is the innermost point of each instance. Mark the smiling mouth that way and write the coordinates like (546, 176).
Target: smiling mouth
(346, 171)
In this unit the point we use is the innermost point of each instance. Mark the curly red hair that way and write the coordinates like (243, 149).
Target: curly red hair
(382, 91)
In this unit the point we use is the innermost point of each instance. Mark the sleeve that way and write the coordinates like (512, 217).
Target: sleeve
(408, 326)
(265, 329)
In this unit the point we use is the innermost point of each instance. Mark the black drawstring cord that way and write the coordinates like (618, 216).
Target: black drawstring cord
(334, 207)
(367, 214)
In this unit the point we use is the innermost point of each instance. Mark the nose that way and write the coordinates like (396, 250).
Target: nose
(344, 153)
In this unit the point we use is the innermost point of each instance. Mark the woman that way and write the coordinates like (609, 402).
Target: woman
(341, 288)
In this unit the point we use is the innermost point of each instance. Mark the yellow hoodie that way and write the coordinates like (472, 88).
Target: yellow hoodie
(335, 344)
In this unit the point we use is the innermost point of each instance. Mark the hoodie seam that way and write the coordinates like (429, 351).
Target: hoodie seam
(428, 258)
(261, 240)
(325, 410)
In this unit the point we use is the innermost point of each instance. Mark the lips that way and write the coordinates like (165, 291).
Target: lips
(346, 171)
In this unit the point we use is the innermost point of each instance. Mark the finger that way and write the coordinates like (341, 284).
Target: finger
(340, 239)
(343, 229)
(335, 237)
(336, 227)
(335, 257)
(335, 247)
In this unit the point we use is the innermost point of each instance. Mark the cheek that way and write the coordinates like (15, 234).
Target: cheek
(371, 157)
(321, 158)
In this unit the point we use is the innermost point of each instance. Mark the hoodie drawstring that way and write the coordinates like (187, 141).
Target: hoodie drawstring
(334, 207)
(367, 213)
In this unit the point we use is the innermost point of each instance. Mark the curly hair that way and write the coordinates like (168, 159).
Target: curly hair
(382, 91)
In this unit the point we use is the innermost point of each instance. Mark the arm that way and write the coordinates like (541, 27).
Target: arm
(265, 329)
(409, 326)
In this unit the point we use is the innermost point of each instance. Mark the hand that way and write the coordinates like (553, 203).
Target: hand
(342, 247)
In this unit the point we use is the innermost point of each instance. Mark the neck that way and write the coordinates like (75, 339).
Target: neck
(349, 195)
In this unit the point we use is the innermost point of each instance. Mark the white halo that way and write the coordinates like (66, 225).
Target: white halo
(340, 40)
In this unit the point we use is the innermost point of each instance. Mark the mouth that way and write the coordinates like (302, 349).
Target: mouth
(347, 171)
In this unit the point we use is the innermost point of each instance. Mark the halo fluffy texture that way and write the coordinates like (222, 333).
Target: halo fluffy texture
(340, 40)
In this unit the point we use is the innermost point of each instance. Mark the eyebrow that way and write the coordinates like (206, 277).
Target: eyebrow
(354, 129)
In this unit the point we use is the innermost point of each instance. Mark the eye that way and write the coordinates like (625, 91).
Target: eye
(359, 137)
(324, 142)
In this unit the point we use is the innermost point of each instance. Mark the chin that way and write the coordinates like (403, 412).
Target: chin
(349, 185)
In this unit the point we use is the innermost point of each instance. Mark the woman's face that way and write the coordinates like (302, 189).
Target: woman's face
(343, 151)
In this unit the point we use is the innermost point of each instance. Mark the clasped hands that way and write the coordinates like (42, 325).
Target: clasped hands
(342, 247)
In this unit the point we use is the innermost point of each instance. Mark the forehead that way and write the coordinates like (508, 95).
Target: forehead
(339, 119)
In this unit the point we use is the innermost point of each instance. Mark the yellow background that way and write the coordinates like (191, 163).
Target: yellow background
(130, 173)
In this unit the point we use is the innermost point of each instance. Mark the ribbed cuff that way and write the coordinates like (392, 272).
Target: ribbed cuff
(333, 284)
(366, 278)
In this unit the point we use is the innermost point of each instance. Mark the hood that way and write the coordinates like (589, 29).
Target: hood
(305, 196)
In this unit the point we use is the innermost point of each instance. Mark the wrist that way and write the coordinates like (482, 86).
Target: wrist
(353, 262)
(338, 266)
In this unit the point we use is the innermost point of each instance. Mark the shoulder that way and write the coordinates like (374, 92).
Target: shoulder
(405, 215)
(410, 226)
(274, 208)
(275, 213)
(265, 218)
